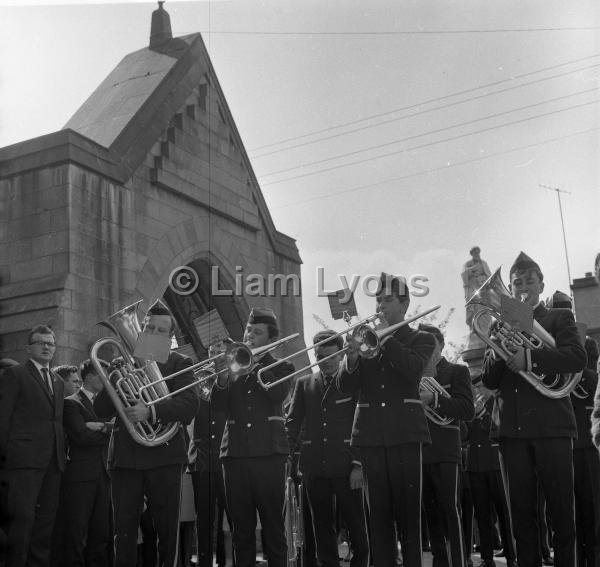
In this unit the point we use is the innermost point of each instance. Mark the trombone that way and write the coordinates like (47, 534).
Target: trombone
(368, 339)
(240, 359)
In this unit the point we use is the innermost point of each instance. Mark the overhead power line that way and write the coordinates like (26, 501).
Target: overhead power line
(421, 146)
(420, 112)
(436, 169)
(437, 131)
(437, 99)
(342, 33)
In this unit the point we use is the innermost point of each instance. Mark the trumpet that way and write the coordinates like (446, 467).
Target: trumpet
(240, 360)
(368, 339)
(430, 384)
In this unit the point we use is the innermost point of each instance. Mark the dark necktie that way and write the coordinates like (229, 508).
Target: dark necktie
(47, 382)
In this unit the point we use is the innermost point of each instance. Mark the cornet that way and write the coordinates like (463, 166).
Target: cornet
(430, 384)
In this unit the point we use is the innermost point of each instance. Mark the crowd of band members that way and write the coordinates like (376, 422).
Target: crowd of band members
(354, 434)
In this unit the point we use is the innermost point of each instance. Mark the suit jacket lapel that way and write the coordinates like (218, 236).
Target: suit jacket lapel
(87, 404)
(38, 379)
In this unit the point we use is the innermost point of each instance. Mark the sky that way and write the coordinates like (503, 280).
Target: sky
(385, 135)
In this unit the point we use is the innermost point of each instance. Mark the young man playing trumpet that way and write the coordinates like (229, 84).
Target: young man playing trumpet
(536, 431)
(331, 469)
(390, 426)
(441, 459)
(254, 447)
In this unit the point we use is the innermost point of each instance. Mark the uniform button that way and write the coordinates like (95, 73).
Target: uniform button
(324, 409)
(248, 425)
(325, 440)
(212, 422)
(249, 408)
(382, 404)
(383, 385)
(324, 424)
(479, 444)
(516, 390)
(249, 391)
(212, 436)
(519, 428)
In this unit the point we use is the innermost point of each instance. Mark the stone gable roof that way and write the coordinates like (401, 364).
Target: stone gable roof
(116, 127)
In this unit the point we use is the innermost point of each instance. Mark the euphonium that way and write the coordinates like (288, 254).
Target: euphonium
(123, 384)
(430, 384)
(502, 338)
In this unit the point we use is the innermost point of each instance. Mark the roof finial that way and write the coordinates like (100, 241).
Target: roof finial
(160, 30)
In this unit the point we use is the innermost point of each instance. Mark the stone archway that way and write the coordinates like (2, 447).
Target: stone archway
(193, 245)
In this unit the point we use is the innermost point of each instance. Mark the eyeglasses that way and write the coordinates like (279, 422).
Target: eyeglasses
(43, 343)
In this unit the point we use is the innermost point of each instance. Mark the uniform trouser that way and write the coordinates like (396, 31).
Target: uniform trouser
(86, 507)
(162, 488)
(394, 488)
(321, 493)
(440, 499)
(209, 496)
(488, 494)
(31, 501)
(251, 484)
(586, 466)
(549, 460)
(466, 512)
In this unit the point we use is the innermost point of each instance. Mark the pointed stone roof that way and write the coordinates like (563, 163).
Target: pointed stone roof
(116, 127)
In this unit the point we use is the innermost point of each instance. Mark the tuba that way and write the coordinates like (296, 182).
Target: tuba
(123, 384)
(503, 339)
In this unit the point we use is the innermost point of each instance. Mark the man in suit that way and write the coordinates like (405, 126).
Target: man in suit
(331, 469)
(390, 426)
(86, 486)
(154, 472)
(32, 451)
(536, 432)
(487, 487)
(254, 447)
(442, 459)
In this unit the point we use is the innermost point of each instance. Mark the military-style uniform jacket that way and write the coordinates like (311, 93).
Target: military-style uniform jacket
(583, 409)
(255, 422)
(205, 447)
(327, 415)
(124, 452)
(483, 454)
(523, 411)
(445, 440)
(389, 410)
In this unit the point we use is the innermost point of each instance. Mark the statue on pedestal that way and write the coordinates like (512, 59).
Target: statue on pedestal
(474, 273)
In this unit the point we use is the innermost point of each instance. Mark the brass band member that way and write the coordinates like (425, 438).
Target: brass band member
(138, 471)
(536, 432)
(331, 468)
(442, 458)
(483, 466)
(586, 461)
(390, 427)
(254, 448)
